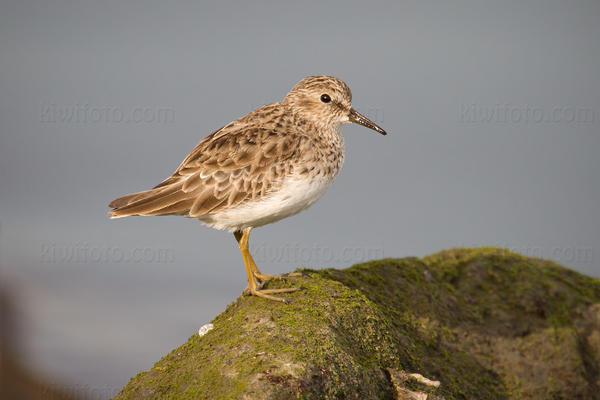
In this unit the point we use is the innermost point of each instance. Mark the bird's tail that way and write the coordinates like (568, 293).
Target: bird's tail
(162, 200)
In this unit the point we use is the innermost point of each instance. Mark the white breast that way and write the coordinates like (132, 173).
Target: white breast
(296, 194)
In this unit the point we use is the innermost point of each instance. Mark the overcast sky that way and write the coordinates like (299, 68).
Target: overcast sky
(492, 110)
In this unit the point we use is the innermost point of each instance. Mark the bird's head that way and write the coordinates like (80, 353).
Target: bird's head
(327, 102)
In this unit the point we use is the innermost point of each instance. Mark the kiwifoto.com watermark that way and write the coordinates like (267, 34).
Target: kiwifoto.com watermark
(306, 255)
(507, 113)
(82, 253)
(561, 254)
(95, 114)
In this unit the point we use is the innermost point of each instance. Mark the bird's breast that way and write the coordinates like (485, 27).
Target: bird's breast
(296, 193)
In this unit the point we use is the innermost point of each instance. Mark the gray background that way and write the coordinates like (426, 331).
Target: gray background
(492, 109)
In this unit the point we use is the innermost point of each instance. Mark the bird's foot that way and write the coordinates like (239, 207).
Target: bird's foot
(264, 278)
(266, 293)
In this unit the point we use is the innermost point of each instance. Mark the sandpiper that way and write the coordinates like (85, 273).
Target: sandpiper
(267, 165)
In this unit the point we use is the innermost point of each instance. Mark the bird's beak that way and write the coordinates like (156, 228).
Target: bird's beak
(358, 118)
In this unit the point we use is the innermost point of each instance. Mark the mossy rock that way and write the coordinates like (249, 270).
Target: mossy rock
(486, 323)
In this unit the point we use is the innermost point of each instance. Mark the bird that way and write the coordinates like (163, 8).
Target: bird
(265, 166)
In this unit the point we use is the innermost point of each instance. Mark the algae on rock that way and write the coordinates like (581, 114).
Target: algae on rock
(487, 323)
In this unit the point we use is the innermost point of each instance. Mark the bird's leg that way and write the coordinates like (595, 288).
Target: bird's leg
(252, 270)
(259, 276)
(263, 278)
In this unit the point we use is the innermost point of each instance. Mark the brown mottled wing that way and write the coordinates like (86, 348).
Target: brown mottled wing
(239, 162)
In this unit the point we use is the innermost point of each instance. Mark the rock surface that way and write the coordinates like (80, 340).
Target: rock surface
(486, 323)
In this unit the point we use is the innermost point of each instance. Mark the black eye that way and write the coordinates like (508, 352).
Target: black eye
(325, 98)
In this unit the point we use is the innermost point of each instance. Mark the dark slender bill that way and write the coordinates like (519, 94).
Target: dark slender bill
(358, 118)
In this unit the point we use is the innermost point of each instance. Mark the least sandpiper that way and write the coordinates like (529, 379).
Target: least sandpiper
(267, 165)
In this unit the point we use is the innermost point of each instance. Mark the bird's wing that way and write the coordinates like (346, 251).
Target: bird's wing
(238, 162)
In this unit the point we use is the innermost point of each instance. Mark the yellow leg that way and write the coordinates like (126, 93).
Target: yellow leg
(259, 276)
(253, 272)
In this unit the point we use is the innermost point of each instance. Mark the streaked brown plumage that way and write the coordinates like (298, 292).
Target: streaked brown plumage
(242, 161)
(269, 164)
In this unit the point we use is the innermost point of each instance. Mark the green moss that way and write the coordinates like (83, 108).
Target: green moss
(478, 320)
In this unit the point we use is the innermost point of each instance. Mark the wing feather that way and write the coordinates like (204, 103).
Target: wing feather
(241, 161)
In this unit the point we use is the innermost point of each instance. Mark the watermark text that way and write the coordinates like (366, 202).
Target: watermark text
(82, 253)
(90, 114)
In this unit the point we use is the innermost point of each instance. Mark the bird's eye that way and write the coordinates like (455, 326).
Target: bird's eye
(325, 98)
